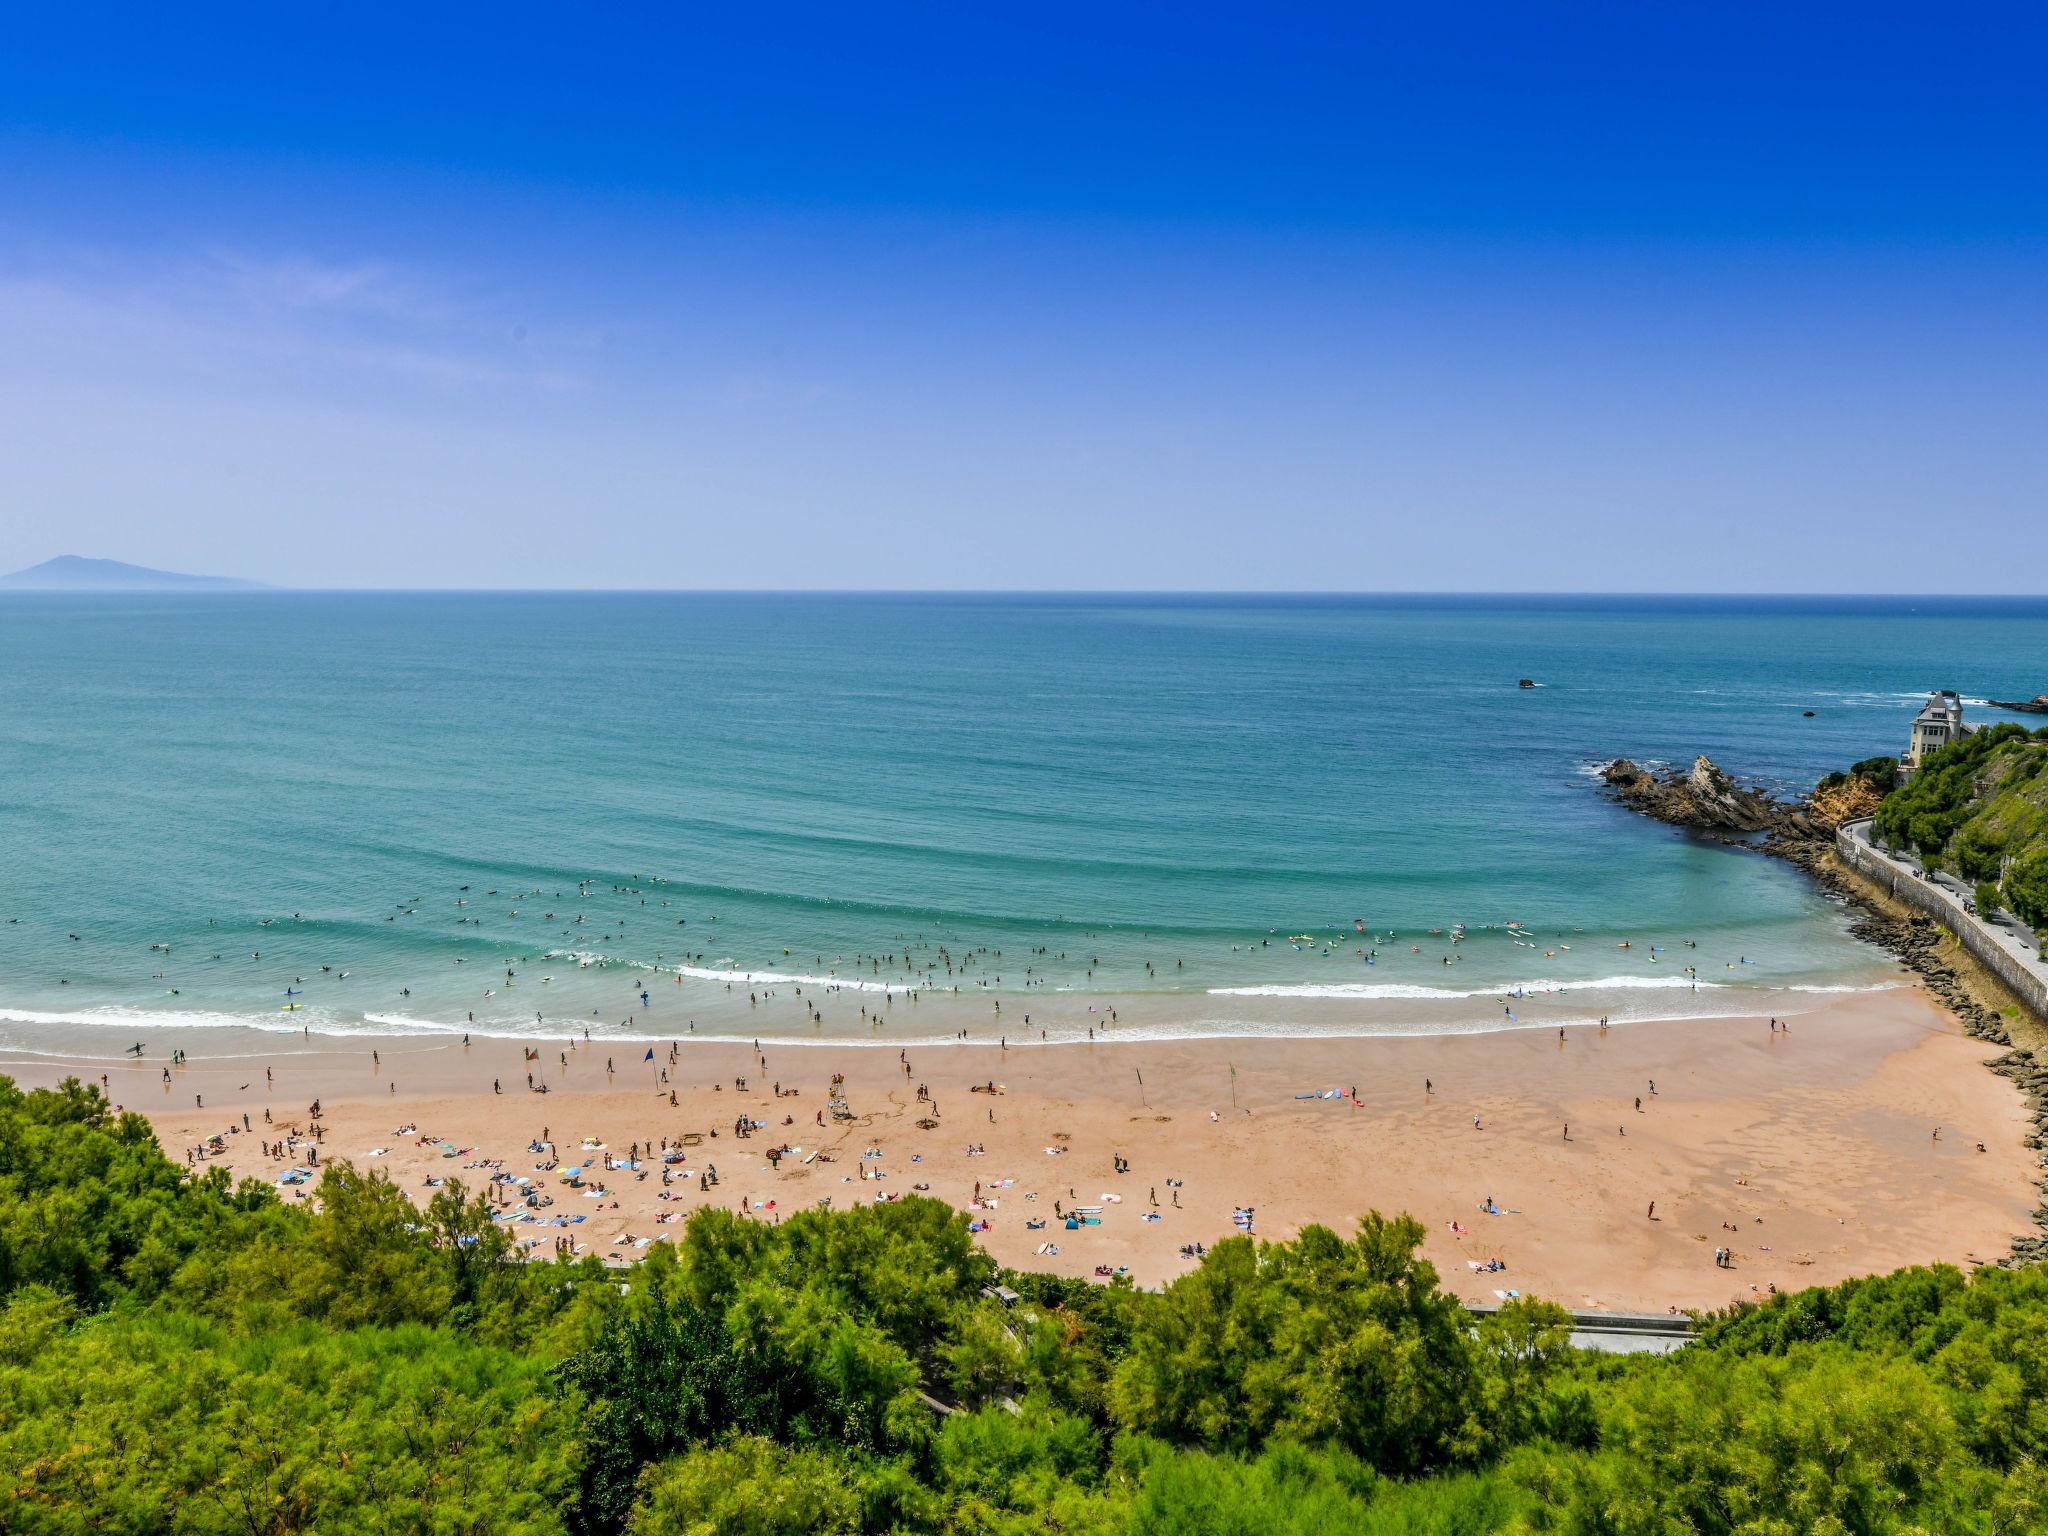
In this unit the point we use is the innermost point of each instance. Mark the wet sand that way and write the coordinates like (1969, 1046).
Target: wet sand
(1811, 1155)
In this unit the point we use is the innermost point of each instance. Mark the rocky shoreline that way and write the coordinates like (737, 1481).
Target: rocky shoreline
(1708, 803)
(2037, 705)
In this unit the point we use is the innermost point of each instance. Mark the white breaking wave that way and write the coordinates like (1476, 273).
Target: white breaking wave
(299, 1019)
(781, 978)
(1412, 993)
(587, 959)
(406, 1024)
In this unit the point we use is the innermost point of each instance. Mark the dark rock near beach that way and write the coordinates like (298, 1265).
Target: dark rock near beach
(1525, 682)
(1705, 799)
(2037, 705)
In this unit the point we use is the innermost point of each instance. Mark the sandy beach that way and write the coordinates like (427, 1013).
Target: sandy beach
(1867, 1137)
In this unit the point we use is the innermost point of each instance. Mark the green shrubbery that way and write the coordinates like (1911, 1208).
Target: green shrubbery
(2026, 886)
(1979, 807)
(1882, 773)
(177, 1355)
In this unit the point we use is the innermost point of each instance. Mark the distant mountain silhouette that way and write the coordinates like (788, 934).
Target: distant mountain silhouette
(77, 573)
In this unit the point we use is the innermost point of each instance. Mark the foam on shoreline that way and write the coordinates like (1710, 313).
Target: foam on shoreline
(1408, 990)
(1145, 1022)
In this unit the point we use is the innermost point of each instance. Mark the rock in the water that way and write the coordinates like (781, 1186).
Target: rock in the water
(1705, 799)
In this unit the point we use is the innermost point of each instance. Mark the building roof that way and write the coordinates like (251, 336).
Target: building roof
(1944, 705)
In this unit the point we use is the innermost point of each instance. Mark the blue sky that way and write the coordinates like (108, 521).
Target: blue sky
(1588, 297)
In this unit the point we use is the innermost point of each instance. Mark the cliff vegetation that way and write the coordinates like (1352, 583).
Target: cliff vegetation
(1978, 808)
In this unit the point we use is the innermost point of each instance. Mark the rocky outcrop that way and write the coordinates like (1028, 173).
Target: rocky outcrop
(2037, 705)
(1850, 799)
(2029, 1074)
(1705, 800)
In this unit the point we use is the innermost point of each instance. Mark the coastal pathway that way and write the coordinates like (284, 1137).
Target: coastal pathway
(2004, 936)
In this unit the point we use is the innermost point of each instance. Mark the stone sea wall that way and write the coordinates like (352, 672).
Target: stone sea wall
(1945, 908)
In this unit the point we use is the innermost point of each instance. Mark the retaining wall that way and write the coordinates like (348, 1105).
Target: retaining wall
(2026, 980)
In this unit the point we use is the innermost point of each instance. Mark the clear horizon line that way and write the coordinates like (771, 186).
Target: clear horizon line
(258, 588)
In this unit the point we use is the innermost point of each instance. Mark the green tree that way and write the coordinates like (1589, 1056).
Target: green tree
(140, 1422)
(2026, 887)
(1809, 1442)
(1322, 1341)
(661, 1375)
(749, 1487)
(89, 1205)
(1525, 1351)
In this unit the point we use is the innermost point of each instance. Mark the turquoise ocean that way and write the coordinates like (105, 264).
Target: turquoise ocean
(897, 817)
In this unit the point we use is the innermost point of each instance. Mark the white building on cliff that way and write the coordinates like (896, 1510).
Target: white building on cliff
(1939, 722)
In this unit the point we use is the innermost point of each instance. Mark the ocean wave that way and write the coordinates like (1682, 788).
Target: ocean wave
(1228, 1029)
(785, 978)
(295, 1022)
(1411, 993)
(406, 1024)
(588, 959)
(903, 1033)
(1869, 699)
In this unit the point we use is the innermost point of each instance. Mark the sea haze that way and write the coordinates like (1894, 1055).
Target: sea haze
(1211, 814)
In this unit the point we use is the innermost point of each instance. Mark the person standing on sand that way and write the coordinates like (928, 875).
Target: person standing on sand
(1653, 1210)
